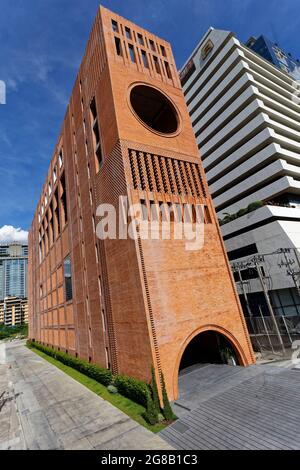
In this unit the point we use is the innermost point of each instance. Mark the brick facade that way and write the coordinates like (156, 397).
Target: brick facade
(135, 302)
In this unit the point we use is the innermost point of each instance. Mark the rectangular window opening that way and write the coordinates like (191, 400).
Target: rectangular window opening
(168, 70)
(128, 33)
(118, 46)
(152, 45)
(145, 59)
(68, 279)
(115, 26)
(131, 53)
(156, 64)
(163, 51)
(140, 39)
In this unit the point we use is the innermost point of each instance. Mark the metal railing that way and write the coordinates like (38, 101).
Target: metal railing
(264, 332)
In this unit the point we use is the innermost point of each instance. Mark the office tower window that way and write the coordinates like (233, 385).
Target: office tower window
(128, 33)
(96, 136)
(114, 25)
(145, 59)
(140, 39)
(49, 189)
(131, 52)
(68, 279)
(118, 46)
(46, 198)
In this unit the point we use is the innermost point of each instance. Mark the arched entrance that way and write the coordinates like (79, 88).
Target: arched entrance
(208, 347)
(210, 344)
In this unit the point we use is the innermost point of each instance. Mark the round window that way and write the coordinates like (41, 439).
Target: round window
(154, 109)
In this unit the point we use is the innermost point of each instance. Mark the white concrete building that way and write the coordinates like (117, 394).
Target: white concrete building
(246, 117)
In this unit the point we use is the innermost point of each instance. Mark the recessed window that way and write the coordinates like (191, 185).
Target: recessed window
(118, 46)
(140, 39)
(60, 159)
(54, 175)
(49, 189)
(96, 135)
(154, 109)
(152, 45)
(68, 279)
(156, 64)
(168, 70)
(128, 33)
(145, 59)
(93, 109)
(163, 51)
(46, 199)
(63, 200)
(131, 52)
(114, 25)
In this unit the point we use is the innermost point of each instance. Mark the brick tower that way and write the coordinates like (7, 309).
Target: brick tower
(124, 303)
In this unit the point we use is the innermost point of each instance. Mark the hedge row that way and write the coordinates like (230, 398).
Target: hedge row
(137, 390)
(129, 387)
(134, 389)
(100, 374)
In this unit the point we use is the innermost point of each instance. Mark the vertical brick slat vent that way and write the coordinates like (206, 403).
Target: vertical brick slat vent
(166, 175)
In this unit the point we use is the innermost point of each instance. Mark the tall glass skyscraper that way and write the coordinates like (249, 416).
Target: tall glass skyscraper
(13, 271)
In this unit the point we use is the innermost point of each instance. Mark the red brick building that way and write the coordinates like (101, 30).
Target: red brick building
(128, 304)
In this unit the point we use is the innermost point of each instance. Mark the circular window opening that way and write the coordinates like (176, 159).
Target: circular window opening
(154, 109)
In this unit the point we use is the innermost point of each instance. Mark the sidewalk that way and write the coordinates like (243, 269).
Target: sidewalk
(46, 409)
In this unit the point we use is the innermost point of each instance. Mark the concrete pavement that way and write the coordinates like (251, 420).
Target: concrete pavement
(43, 408)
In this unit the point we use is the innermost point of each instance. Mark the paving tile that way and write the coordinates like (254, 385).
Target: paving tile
(50, 410)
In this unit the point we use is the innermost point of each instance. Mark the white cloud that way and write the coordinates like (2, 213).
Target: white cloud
(8, 233)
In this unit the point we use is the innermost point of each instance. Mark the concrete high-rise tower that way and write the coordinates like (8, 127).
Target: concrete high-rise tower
(124, 303)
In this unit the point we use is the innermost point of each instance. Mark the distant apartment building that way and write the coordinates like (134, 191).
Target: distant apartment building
(245, 113)
(128, 303)
(13, 280)
(14, 311)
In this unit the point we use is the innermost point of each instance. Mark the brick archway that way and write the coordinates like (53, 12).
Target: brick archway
(218, 329)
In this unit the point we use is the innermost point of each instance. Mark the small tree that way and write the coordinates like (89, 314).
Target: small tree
(167, 410)
(154, 391)
(150, 414)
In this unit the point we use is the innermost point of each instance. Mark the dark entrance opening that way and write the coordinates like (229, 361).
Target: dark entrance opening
(208, 347)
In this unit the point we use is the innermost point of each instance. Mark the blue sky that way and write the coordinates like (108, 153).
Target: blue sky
(41, 46)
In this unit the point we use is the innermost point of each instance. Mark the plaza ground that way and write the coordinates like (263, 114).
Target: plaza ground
(220, 407)
(223, 407)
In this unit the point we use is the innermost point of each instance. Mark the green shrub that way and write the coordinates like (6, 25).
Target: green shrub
(251, 207)
(242, 212)
(132, 388)
(254, 205)
(151, 414)
(100, 374)
(167, 410)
